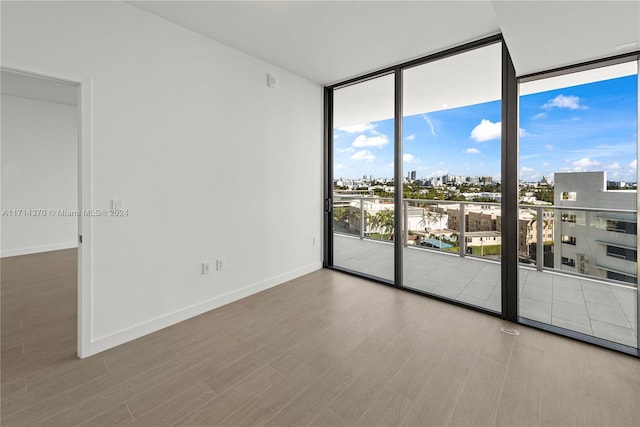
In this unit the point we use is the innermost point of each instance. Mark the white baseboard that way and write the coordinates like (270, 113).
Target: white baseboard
(112, 340)
(37, 249)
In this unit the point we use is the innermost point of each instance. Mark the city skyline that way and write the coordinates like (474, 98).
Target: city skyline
(588, 127)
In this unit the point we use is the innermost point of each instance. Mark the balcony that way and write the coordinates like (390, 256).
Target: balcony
(578, 302)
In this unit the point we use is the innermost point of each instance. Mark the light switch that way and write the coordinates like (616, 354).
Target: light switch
(271, 80)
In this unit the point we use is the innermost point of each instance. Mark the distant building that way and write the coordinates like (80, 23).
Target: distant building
(528, 231)
(486, 180)
(477, 217)
(598, 242)
(482, 238)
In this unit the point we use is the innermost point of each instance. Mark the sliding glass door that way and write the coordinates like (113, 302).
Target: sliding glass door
(451, 188)
(363, 219)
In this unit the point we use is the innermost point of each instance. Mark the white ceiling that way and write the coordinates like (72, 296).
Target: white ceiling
(330, 41)
(427, 88)
(579, 78)
(42, 89)
(542, 35)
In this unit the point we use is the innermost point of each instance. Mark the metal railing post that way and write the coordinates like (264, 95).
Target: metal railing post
(405, 222)
(540, 239)
(362, 218)
(462, 241)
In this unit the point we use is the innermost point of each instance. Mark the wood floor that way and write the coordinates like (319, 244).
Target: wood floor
(326, 349)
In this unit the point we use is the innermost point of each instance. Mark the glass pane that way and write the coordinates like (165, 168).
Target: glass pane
(363, 165)
(451, 189)
(578, 202)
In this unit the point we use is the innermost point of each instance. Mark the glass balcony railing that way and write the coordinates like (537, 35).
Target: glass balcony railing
(465, 228)
(598, 244)
(364, 216)
(578, 268)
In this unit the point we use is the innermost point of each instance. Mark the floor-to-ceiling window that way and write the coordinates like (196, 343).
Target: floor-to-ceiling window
(363, 170)
(451, 177)
(451, 166)
(578, 201)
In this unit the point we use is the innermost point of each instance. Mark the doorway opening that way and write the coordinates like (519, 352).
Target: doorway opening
(41, 222)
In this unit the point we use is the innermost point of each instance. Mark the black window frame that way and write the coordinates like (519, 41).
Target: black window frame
(622, 226)
(509, 177)
(622, 253)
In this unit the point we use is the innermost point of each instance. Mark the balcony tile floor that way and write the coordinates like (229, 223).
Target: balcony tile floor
(587, 306)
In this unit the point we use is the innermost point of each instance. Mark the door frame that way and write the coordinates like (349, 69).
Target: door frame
(85, 191)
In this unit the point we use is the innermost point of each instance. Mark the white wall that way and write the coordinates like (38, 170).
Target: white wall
(39, 171)
(209, 161)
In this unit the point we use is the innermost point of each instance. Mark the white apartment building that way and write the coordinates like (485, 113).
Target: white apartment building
(600, 240)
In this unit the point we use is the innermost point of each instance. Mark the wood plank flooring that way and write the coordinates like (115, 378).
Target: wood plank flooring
(326, 349)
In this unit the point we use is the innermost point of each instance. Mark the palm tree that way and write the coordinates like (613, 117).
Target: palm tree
(383, 220)
(340, 214)
(430, 216)
(369, 221)
(354, 220)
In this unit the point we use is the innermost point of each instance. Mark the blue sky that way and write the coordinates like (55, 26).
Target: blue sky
(581, 128)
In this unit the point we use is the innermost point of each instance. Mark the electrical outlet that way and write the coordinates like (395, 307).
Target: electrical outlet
(220, 264)
(206, 267)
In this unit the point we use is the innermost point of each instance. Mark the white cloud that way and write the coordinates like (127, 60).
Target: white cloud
(585, 162)
(433, 129)
(363, 155)
(472, 151)
(410, 158)
(370, 141)
(486, 131)
(438, 173)
(615, 176)
(346, 150)
(581, 165)
(571, 102)
(548, 146)
(363, 127)
(540, 116)
(522, 133)
(614, 165)
(633, 164)
(528, 174)
(410, 138)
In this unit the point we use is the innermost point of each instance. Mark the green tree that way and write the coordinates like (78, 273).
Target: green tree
(430, 216)
(545, 194)
(383, 220)
(340, 214)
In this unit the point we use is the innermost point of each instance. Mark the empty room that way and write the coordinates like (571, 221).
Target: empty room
(325, 213)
